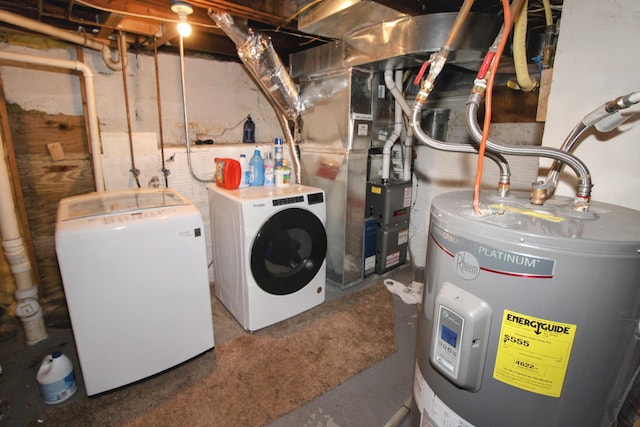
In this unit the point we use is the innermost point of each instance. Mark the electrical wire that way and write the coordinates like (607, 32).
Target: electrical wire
(488, 107)
(186, 117)
(227, 128)
(139, 15)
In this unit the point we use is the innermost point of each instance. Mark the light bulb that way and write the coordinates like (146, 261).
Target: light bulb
(184, 29)
(182, 9)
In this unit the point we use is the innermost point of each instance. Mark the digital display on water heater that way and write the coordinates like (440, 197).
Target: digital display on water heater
(449, 336)
(461, 324)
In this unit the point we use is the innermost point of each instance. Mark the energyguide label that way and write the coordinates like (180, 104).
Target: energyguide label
(533, 354)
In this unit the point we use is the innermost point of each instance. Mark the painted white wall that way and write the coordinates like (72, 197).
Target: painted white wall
(219, 96)
(597, 60)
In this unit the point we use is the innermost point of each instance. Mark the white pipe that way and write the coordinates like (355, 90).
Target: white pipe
(27, 307)
(400, 414)
(401, 104)
(397, 126)
(26, 294)
(29, 24)
(397, 95)
(94, 130)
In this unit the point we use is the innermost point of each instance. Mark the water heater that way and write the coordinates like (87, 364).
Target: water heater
(530, 314)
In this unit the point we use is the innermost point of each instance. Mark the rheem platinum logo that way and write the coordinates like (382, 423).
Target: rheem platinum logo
(466, 265)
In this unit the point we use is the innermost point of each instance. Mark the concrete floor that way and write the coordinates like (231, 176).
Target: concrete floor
(370, 398)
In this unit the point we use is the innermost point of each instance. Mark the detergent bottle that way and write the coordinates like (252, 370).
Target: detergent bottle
(246, 171)
(256, 165)
(269, 171)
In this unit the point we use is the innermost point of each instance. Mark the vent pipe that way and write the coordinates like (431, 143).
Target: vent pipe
(257, 53)
(26, 294)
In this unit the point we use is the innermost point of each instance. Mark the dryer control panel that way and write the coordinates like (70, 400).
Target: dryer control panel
(460, 335)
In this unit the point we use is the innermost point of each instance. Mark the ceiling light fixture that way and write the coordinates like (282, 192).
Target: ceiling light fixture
(182, 9)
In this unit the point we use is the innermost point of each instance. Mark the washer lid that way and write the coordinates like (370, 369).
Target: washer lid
(112, 202)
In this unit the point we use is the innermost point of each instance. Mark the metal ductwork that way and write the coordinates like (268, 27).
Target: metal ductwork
(338, 18)
(338, 88)
(402, 43)
(257, 53)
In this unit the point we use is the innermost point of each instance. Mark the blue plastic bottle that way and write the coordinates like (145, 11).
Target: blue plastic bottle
(278, 150)
(249, 131)
(256, 165)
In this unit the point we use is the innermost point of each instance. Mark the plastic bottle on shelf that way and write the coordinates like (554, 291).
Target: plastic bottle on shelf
(269, 170)
(279, 153)
(256, 166)
(246, 171)
(249, 131)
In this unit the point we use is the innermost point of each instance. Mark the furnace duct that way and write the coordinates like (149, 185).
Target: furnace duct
(257, 53)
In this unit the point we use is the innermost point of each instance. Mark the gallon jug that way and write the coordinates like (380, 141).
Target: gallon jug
(56, 379)
(249, 131)
(256, 165)
(228, 173)
(246, 172)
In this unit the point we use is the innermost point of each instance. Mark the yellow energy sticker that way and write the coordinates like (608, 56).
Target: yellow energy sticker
(537, 214)
(533, 354)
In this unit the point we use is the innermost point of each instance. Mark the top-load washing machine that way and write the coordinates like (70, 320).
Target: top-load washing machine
(269, 246)
(134, 269)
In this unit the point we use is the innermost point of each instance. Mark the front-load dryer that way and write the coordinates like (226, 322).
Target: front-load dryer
(269, 246)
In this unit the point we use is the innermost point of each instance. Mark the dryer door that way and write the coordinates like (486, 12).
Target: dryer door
(288, 251)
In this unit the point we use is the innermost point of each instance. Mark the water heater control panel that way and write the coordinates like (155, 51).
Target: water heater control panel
(460, 336)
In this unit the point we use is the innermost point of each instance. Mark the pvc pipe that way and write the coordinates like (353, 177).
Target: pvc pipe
(397, 126)
(400, 414)
(29, 24)
(26, 294)
(27, 306)
(94, 129)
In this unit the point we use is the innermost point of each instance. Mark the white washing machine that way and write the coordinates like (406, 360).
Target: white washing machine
(134, 271)
(269, 246)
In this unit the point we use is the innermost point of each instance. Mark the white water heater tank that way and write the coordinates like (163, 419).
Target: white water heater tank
(530, 314)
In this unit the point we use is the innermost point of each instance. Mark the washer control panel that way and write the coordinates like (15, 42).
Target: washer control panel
(460, 335)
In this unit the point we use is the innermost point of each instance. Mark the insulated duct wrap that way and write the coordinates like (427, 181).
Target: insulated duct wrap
(257, 53)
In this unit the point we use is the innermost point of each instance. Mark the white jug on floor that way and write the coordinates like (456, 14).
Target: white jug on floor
(56, 378)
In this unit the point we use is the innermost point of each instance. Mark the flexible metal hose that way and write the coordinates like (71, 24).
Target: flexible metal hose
(581, 170)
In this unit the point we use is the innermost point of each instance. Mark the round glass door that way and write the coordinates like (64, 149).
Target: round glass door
(288, 251)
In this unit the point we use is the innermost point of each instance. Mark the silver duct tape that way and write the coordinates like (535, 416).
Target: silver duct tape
(236, 32)
(257, 53)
